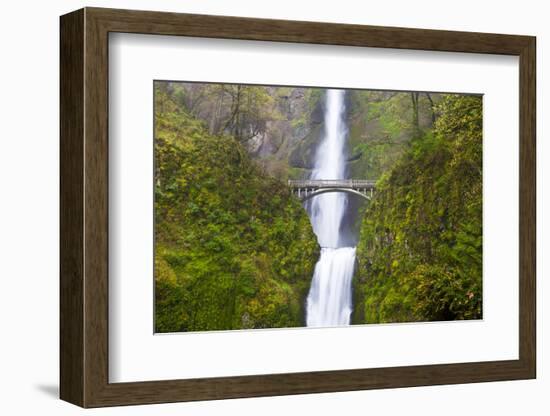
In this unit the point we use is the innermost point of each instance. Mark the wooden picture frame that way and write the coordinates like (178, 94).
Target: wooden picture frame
(84, 207)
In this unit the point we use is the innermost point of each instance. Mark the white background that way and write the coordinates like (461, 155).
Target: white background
(136, 355)
(29, 210)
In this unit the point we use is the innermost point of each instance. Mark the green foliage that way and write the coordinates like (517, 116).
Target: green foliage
(233, 248)
(420, 250)
(382, 123)
(240, 110)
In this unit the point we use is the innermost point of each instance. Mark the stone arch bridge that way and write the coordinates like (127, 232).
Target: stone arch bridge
(308, 188)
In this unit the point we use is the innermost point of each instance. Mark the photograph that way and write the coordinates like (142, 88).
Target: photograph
(291, 206)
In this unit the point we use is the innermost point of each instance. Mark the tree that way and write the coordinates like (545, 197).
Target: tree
(251, 107)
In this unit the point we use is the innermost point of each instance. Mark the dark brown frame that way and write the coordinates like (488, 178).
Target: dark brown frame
(84, 207)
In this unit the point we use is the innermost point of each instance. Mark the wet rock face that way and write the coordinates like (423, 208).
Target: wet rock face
(317, 115)
(306, 136)
(303, 154)
(288, 146)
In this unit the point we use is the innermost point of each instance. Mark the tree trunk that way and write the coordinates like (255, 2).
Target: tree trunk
(415, 122)
(432, 107)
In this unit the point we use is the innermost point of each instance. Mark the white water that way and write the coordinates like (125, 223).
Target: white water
(329, 302)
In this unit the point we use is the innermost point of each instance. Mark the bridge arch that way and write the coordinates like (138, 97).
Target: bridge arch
(330, 190)
(308, 188)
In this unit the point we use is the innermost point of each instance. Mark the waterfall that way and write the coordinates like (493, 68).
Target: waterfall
(329, 302)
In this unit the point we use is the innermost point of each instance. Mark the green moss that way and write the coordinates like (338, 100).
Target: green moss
(420, 250)
(233, 248)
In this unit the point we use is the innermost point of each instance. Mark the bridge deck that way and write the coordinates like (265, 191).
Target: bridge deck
(332, 183)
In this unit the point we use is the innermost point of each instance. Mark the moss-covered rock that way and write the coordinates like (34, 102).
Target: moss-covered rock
(233, 248)
(420, 250)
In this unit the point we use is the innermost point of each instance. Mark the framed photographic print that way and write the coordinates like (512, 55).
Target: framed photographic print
(260, 207)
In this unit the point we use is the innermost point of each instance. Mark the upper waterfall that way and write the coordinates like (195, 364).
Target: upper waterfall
(327, 211)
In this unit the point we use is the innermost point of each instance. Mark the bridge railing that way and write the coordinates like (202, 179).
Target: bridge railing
(332, 183)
